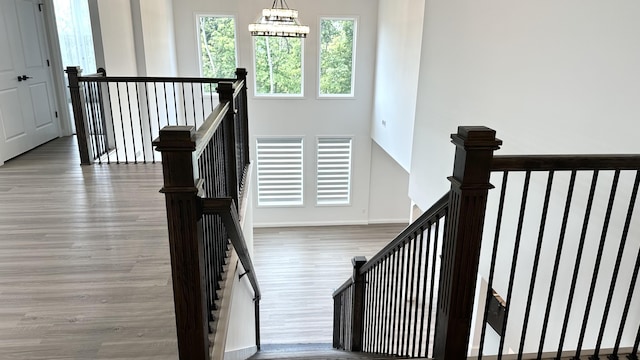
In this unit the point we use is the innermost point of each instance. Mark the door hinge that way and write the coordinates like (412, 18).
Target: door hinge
(40, 7)
(48, 63)
(56, 114)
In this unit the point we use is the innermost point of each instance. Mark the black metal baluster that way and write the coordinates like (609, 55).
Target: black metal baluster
(410, 302)
(419, 282)
(432, 290)
(556, 263)
(100, 130)
(384, 338)
(398, 327)
(146, 95)
(193, 104)
(126, 156)
(536, 262)
(514, 260)
(113, 126)
(144, 155)
(424, 292)
(492, 267)
(377, 308)
(616, 268)
(201, 88)
(93, 129)
(632, 286)
(396, 294)
(403, 295)
(576, 267)
(133, 137)
(596, 270)
(184, 103)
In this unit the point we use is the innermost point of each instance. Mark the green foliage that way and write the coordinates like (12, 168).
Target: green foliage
(278, 65)
(218, 46)
(336, 56)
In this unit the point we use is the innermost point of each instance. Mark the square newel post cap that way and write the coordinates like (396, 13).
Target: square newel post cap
(476, 137)
(358, 261)
(176, 138)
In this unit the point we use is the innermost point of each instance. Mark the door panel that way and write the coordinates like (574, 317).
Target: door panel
(29, 26)
(10, 106)
(40, 104)
(26, 105)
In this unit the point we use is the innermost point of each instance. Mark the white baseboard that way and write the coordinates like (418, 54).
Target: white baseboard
(330, 223)
(389, 221)
(309, 223)
(240, 354)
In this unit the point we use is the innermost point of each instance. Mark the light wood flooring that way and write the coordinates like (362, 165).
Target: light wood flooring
(85, 271)
(299, 268)
(84, 259)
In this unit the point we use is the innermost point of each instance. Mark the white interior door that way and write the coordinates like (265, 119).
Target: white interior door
(27, 107)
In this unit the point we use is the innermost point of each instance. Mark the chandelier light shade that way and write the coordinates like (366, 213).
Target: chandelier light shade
(279, 21)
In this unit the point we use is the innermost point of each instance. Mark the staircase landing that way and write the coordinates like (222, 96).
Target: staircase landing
(311, 352)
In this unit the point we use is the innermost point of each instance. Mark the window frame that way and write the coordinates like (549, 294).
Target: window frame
(352, 95)
(198, 39)
(256, 95)
(302, 172)
(351, 161)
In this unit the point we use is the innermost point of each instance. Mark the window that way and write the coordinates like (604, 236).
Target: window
(278, 62)
(279, 171)
(217, 36)
(337, 54)
(334, 171)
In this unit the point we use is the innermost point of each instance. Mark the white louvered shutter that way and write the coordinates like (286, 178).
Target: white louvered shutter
(334, 171)
(279, 171)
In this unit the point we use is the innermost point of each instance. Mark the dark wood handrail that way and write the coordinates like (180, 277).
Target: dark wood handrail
(343, 287)
(160, 79)
(565, 162)
(226, 208)
(436, 211)
(208, 128)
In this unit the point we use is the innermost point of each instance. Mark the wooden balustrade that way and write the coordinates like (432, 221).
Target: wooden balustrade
(399, 315)
(203, 184)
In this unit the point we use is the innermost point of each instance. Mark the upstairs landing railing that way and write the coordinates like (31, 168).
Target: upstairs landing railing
(117, 117)
(205, 175)
(556, 252)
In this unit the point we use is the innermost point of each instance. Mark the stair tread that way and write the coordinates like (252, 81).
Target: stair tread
(311, 352)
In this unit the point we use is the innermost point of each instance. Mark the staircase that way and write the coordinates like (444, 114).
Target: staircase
(311, 352)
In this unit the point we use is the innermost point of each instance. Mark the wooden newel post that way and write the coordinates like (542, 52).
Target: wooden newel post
(461, 247)
(185, 244)
(82, 133)
(241, 74)
(357, 315)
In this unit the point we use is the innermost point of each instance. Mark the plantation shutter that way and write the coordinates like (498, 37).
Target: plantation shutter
(334, 171)
(279, 171)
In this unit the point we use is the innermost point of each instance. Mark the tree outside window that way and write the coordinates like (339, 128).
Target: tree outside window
(217, 36)
(337, 49)
(278, 62)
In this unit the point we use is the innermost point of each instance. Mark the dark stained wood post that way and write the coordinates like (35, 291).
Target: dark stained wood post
(357, 315)
(225, 94)
(461, 248)
(176, 144)
(82, 133)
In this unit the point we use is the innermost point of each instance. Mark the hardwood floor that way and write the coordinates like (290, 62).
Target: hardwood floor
(85, 271)
(298, 270)
(84, 259)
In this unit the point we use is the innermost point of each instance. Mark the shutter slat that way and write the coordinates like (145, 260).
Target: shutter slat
(279, 171)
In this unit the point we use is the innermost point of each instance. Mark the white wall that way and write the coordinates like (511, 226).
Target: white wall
(308, 117)
(158, 35)
(550, 77)
(396, 78)
(117, 38)
(388, 199)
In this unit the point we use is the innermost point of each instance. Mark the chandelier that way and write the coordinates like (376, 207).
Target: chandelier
(279, 21)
